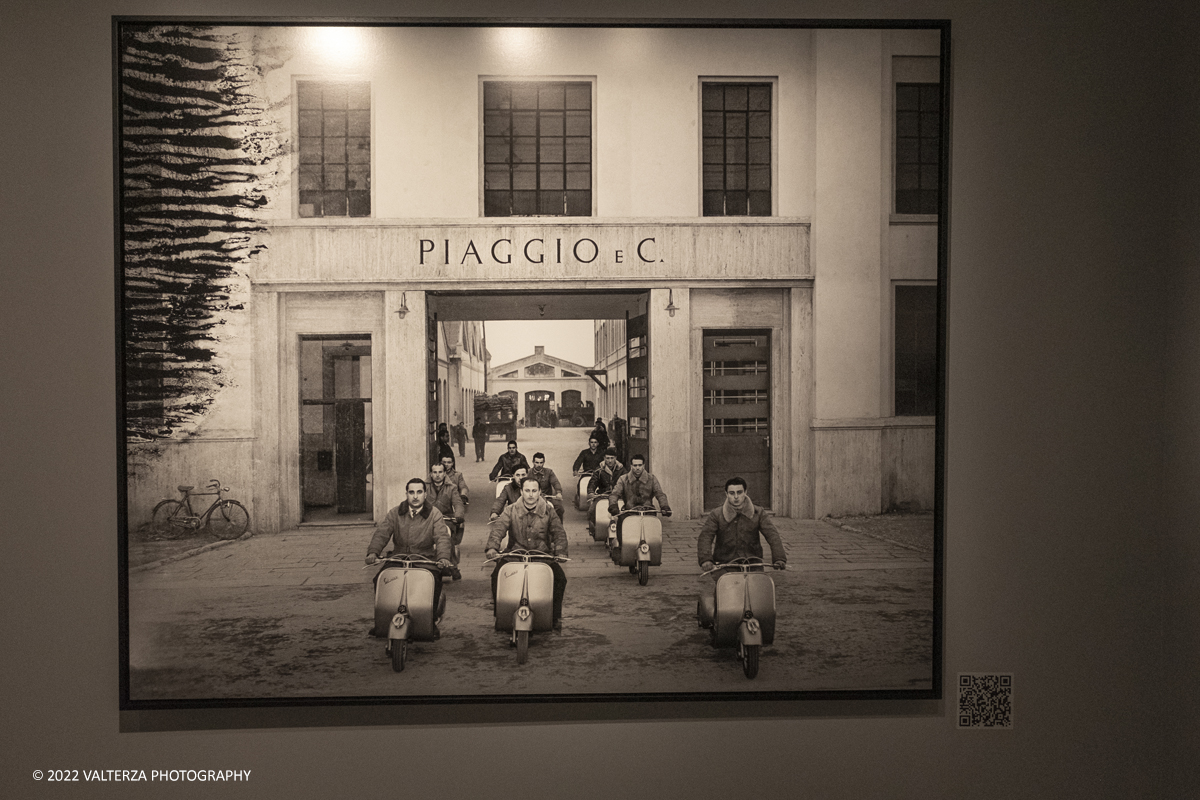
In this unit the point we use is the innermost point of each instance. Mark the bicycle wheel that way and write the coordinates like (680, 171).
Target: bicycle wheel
(168, 519)
(229, 520)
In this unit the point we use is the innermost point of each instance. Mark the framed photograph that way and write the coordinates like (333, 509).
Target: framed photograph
(487, 360)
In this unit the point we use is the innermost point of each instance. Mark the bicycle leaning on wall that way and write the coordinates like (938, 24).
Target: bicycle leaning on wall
(225, 518)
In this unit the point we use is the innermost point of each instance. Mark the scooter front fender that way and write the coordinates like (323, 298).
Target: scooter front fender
(641, 540)
(750, 632)
(523, 619)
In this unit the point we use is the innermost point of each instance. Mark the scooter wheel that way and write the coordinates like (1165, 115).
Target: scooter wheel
(522, 646)
(643, 573)
(750, 660)
(398, 648)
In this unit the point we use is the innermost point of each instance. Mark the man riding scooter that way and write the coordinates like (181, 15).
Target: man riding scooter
(508, 462)
(455, 477)
(414, 528)
(587, 461)
(736, 527)
(510, 494)
(547, 482)
(530, 524)
(444, 496)
(740, 611)
(605, 481)
(636, 488)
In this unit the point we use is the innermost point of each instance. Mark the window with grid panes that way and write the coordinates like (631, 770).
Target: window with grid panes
(537, 148)
(916, 351)
(335, 148)
(918, 140)
(737, 149)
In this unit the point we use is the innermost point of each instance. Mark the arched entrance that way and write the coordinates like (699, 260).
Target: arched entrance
(539, 404)
(544, 405)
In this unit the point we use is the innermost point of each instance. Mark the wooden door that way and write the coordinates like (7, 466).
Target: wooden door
(335, 425)
(350, 456)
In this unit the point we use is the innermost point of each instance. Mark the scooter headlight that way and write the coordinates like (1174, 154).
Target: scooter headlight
(752, 625)
(523, 613)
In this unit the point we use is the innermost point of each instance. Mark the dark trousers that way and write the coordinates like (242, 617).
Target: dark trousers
(560, 584)
(456, 536)
(480, 441)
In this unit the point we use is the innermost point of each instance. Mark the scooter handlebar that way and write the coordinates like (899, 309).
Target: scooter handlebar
(743, 564)
(408, 559)
(666, 512)
(527, 554)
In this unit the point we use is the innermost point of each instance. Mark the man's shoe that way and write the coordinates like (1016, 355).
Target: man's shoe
(455, 574)
(558, 625)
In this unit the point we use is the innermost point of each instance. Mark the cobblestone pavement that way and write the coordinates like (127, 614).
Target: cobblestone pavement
(286, 614)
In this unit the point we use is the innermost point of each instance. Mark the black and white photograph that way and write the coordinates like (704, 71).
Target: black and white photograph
(875, 322)
(502, 360)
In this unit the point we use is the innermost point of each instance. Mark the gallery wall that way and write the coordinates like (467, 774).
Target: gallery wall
(1181, 412)
(1073, 455)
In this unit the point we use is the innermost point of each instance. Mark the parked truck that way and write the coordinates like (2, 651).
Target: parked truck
(499, 414)
(577, 416)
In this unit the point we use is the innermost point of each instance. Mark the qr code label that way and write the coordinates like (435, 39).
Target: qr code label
(985, 700)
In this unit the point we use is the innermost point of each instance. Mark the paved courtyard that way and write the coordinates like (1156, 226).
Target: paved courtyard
(286, 615)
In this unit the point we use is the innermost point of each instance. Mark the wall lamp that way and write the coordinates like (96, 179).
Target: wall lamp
(671, 309)
(403, 309)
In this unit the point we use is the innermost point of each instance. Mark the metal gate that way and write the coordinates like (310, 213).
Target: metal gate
(737, 413)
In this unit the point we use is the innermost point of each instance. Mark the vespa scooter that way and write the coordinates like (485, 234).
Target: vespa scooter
(741, 610)
(640, 545)
(587, 480)
(604, 522)
(404, 604)
(525, 596)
